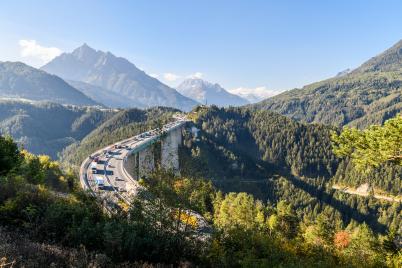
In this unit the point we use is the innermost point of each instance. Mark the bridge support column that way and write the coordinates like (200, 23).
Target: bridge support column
(131, 165)
(170, 151)
(146, 163)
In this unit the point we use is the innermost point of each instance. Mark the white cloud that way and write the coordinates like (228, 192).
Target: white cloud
(171, 77)
(197, 75)
(254, 94)
(29, 48)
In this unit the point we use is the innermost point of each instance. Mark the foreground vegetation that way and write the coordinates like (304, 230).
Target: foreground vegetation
(57, 223)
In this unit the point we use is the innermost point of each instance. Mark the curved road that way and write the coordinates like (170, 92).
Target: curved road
(375, 195)
(119, 186)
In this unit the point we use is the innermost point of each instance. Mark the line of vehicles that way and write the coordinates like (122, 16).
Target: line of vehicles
(98, 179)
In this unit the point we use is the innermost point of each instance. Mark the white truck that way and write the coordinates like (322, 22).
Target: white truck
(94, 167)
(100, 182)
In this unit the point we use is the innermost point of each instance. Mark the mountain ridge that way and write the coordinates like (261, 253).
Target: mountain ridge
(389, 60)
(19, 80)
(352, 99)
(116, 75)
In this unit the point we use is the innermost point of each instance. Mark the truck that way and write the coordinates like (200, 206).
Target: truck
(100, 182)
(94, 167)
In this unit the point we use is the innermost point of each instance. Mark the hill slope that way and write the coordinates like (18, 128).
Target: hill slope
(117, 75)
(281, 159)
(46, 128)
(369, 94)
(18, 80)
(203, 91)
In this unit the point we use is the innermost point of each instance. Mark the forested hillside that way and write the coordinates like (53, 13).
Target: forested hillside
(368, 95)
(281, 159)
(46, 128)
(255, 144)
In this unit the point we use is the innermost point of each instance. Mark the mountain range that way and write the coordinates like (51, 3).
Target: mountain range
(369, 94)
(130, 86)
(18, 80)
(206, 92)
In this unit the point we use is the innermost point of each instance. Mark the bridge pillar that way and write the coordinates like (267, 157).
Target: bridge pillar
(170, 151)
(146, 163)
(131, 165)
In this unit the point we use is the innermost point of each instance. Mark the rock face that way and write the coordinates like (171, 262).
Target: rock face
(118, 76)
(206, 92)
(106, 97)
(18, 80)
(364, 189)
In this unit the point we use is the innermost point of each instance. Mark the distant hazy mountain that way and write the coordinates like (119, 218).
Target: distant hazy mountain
(367, 95)
(116, 75)
(203, 91)
(18, 80)
(104, 96)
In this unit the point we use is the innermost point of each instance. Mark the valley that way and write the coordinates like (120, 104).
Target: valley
(186, 134)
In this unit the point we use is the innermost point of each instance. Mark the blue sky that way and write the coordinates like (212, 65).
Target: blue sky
(273, 45)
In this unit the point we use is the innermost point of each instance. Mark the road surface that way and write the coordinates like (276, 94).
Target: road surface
(375, 195)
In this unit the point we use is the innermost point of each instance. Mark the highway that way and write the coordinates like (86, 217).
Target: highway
(119, 185)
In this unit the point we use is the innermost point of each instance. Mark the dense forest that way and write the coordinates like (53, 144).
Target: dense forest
(46, 220)
(281, 159)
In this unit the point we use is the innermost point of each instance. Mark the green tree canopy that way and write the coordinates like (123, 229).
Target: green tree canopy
(9, 155)
(373, 146)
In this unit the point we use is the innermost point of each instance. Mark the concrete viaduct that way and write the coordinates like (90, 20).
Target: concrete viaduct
(112, 172)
